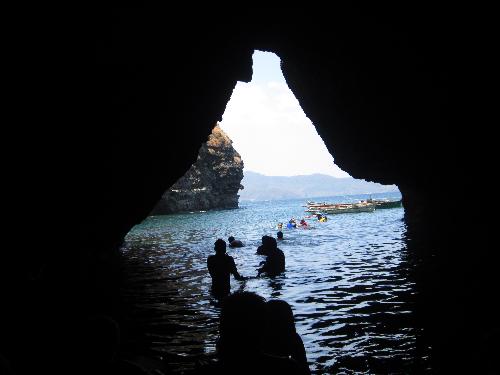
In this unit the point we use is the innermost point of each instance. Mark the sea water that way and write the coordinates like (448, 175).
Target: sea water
(348, 281)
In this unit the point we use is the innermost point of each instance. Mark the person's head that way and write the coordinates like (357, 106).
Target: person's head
(241, 324)
(272, 244)
(220, 246)
(230, 239)
(265, 240)
(280, 235)
(279, 317)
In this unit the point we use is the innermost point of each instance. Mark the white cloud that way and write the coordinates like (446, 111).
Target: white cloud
(272, 133)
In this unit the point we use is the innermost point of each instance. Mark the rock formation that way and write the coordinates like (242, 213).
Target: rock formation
(212, 182)
(393, 91)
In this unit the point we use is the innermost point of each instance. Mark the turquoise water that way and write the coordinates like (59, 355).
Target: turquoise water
(348, 281)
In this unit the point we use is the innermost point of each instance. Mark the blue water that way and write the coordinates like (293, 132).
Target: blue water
(347, 280)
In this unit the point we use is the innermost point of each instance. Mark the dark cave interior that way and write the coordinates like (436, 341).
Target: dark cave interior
(139, 94)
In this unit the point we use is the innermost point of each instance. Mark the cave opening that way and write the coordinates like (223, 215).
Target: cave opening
(100, 161)
(348, 280)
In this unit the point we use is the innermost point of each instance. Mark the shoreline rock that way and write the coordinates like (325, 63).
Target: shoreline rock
(212, 182)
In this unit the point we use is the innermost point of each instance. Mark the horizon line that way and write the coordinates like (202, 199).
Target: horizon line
(315, 197)
(298, 175)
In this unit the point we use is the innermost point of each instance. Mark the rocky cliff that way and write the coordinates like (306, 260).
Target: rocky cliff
(212, 182)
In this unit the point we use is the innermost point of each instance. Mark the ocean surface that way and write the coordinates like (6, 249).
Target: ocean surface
(348, 280)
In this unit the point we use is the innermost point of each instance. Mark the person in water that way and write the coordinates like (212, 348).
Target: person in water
(279, 236)
(292, 223)
(280, 226)
(275, 262)
(281, 338)
(239, 348)
(234, 243)
(303, 223)
(264, 248)
(321, 218)
(221, 266)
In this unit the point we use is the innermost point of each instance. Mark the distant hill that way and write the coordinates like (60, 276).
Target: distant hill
(261, 187)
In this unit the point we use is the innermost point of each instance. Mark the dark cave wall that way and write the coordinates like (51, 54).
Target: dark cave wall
(124, 77)
(357, 77)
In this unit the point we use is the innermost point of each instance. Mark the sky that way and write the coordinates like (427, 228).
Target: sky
(269, 129)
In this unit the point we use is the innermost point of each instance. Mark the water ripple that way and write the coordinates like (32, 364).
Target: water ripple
(347, 281)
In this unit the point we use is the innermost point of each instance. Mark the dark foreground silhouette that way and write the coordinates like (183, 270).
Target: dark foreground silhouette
(280, 336)
(275, 262)
(242, 332)
(221, 266)
(100, 347)
(5, 367)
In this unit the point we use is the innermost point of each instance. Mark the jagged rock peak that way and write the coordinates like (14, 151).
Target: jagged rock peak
(212, 182)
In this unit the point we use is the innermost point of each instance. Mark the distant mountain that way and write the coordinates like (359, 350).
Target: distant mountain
(260, 187)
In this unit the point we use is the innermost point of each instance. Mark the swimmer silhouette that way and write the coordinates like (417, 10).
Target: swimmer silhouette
(221, 266)
(240, 344)
(234, 243)
(275, 262)
(264, 248)
(281, 337)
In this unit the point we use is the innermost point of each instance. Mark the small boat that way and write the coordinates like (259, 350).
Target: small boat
(339, 208)
(385, 203)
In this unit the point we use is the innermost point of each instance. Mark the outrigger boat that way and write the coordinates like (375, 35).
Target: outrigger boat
(339, 208)
(363, 206)
(385, 203)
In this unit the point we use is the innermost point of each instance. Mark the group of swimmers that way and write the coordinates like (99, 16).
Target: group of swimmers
(271, 336)
(221, 266)
(254, 334)
(256, 337)
(292, 223)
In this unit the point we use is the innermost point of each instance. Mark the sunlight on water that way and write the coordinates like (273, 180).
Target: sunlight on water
(347, 281)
